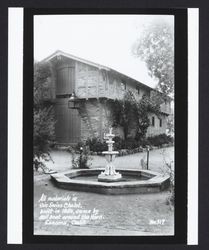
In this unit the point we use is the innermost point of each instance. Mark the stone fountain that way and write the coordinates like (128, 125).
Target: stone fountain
(109, 181)
(109, 175)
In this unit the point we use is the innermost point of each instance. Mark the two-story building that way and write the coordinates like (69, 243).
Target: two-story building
(92, 84)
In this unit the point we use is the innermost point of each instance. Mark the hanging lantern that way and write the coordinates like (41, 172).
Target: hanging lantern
(73, 102)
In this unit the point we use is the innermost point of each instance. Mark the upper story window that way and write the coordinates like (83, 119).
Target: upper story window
(123, 84)
(138, 90)
(153, 121)
(160, 122)
(104, 77)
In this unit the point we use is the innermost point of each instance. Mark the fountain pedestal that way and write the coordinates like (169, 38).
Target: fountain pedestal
(109, 175)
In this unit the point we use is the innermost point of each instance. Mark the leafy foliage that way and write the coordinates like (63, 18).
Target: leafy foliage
(124, 112)
(44, 123)
(170, 125)
(168, 169)
(96, 145)
(156, 48)
(145, 106)
(128, 111)
(159, 140)
(42, 74)
(80, 155)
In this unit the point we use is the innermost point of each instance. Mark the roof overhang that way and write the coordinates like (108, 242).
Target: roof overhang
(61, 53)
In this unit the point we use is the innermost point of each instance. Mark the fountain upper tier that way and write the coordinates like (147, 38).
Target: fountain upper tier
(109, 174)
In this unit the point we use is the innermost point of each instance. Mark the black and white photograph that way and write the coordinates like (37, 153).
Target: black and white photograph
(103, 125)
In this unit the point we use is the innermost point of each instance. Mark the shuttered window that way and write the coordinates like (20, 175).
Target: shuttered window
(153, 121)
(160, 122)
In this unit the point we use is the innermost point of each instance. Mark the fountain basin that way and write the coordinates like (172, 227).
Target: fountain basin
(132, 182)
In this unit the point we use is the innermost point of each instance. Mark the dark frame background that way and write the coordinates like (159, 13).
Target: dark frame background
(181, 92)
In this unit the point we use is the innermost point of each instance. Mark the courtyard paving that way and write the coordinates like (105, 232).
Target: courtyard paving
(137, 214)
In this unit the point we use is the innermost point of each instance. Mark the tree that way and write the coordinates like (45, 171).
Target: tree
(43, 116)
(156, 48)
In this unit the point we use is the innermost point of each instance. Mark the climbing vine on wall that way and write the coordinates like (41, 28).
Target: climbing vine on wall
(129, 111)
(144, 107)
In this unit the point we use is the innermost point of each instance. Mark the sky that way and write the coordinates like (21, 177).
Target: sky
(102, 39)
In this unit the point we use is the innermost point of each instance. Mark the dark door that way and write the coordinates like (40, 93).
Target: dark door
(67, 120)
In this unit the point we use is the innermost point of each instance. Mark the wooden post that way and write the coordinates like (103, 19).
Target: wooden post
(147, 157)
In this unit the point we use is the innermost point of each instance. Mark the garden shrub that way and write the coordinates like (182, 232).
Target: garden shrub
(96, 145)
(119, 143)
(78, 146)
(159, 140)
(144, 142)
(80, 156)
(169, 170)
(131, 143)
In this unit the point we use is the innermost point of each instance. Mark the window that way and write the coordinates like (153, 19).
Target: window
(103, 75)
(123, 84)
(138, 90)
(153, 121)
(160, 122)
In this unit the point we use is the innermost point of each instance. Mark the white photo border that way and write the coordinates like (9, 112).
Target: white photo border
(15, 117)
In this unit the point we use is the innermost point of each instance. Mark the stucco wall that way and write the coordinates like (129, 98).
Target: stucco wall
(156, 129)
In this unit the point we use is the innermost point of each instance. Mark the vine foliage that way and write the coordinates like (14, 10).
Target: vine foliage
(129, 111)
